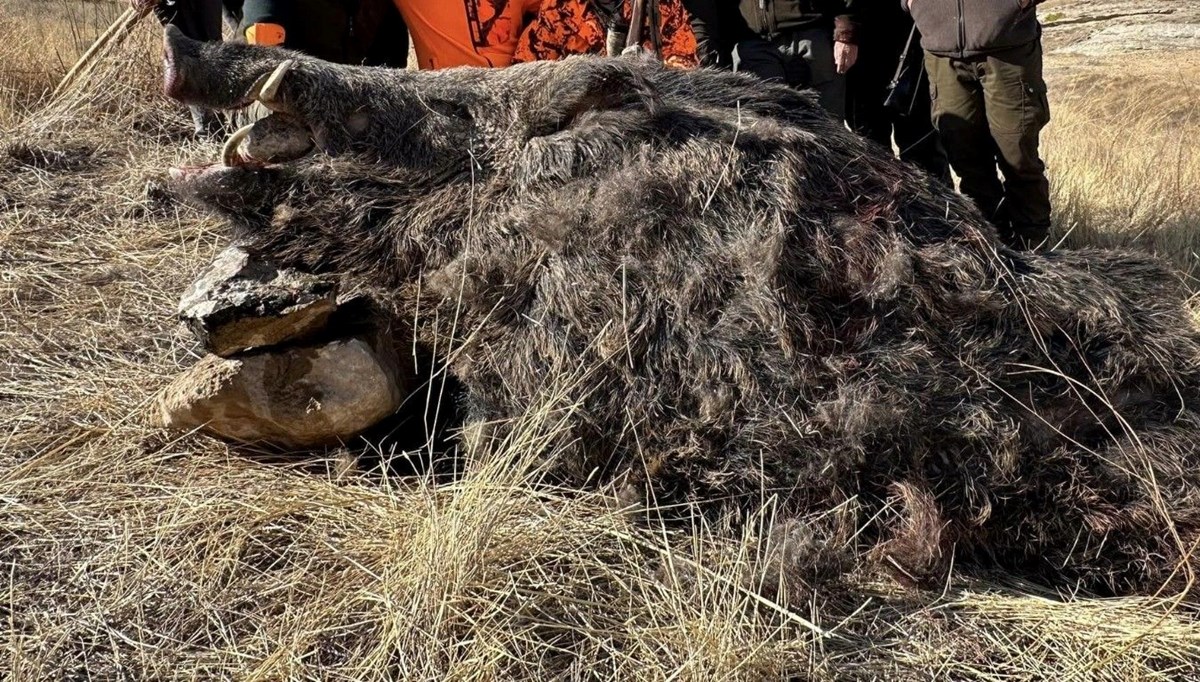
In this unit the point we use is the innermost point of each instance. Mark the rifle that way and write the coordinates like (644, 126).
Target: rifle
(634, 37)
(639, 13)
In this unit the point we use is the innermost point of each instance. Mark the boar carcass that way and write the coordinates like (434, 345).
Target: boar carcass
(734, 300)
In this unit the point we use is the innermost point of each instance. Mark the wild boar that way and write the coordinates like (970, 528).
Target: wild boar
(735, 299)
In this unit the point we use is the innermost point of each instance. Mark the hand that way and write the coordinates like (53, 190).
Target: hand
(844, 56)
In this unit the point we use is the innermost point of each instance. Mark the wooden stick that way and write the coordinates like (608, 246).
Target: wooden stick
(113, 35)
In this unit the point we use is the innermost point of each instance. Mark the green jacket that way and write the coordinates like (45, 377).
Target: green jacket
(367, 32)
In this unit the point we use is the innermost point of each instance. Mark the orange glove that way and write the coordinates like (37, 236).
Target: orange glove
(268, 35)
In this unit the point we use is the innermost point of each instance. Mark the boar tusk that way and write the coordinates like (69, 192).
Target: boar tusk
(229, 153)
(256, 89)
(266, 88)
(270, 87)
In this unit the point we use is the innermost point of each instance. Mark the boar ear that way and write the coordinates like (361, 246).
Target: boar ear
(584, 117)
(579, 85)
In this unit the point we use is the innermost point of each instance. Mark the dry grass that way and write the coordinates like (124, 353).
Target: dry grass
(130, 555)
(41, 40)
(1124, 155)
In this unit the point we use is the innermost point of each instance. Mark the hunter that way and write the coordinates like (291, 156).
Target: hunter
(804, 43)
(984, 59)
(367, 32)
(887, 95)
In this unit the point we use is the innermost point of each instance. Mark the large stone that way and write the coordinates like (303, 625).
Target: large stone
(298, 397)
(240, 304)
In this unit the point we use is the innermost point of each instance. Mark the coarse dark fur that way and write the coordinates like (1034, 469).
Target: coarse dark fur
(742, 298)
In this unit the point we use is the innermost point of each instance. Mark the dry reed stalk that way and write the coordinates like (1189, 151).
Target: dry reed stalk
(104, 45)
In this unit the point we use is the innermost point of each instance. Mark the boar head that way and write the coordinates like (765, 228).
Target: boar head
(375, 152)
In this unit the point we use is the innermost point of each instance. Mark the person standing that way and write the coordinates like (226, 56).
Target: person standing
(366, 32)
(887, 37)
(984, 59)
(448, 33)
(569, 27)
(804, 43)
(717, 25)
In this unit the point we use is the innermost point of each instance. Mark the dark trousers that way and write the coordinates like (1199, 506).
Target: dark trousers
(909, 123)
(989, 112)
(198, 20)
(801, 59)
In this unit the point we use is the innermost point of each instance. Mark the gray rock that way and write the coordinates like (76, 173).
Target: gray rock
(1123, 39)
(239, 304)
(298, 397)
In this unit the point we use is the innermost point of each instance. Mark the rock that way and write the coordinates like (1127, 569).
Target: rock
(239, 304)
(1123, 39)
(298, 397)
(1103, 28)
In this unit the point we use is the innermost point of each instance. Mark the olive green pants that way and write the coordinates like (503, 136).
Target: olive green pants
(989, 112)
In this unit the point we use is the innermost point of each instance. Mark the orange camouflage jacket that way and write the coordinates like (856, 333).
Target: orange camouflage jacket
(567, 27)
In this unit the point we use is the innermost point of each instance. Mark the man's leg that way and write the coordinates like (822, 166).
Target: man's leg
(210, 19)
(960, 119)
(761, 58)
(815, 49)
(866, 88)
(198, 19)
(1017, 110)
(916, 138)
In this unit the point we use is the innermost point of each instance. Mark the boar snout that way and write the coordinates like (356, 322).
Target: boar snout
(221, 76)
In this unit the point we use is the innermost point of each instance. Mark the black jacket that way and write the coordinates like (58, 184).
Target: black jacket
(718, 25)
(769, 18)
(344, 31)
(971, 28)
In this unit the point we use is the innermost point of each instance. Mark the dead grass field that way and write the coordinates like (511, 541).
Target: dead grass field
(1124, 152)
(130, 554)
(42, 39)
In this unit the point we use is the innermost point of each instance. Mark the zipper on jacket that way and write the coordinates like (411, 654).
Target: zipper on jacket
(962, 30)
